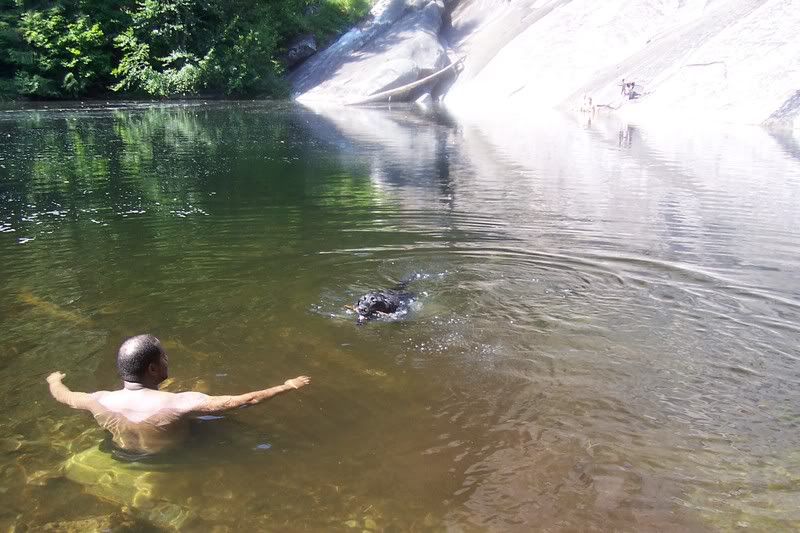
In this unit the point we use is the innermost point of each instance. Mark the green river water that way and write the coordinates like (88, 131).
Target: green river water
(605, 335)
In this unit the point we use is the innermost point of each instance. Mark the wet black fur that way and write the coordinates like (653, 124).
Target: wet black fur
(388, 301)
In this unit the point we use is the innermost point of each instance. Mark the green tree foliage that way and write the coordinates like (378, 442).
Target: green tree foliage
(157, 48)
(66, 55)
(10, 42)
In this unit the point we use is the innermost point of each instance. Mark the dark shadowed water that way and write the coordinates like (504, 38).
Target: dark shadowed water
(605, 338)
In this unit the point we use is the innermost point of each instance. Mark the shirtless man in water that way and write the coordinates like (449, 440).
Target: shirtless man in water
(143, 419)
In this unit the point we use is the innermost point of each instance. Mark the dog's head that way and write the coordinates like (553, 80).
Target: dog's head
(370, 305)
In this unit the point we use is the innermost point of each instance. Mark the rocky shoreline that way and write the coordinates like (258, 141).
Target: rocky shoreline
(398, 44)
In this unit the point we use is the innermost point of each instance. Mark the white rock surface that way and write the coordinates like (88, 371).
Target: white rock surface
(734, 60)
(397, 46)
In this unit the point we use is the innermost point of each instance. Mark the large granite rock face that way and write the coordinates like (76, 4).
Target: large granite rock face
(729, 60)
(733, 60)
(398, 45)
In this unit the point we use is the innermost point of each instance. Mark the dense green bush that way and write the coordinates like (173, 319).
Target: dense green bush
(65, 55)
(9, 43)
(158, 48)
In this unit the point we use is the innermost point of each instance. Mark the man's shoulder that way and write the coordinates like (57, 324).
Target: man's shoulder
(188, 401)
(126, 396)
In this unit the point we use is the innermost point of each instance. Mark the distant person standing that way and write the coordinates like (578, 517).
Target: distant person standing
(628, 89)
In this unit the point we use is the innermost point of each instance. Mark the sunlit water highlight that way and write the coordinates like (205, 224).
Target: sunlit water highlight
(605, 335)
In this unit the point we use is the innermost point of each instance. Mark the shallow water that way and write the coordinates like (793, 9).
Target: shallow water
(605, 337)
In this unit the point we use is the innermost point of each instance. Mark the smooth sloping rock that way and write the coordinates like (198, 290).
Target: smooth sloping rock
(729, 59)
(399, 46)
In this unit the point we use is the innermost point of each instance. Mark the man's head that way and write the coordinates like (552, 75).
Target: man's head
(141, 359)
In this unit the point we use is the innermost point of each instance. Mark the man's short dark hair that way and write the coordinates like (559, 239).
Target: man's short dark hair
(135, 356)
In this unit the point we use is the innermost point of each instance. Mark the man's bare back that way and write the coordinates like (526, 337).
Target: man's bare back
(143, 419)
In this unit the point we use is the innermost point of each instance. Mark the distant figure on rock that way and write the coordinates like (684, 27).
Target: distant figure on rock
(588, 105)
(628, 89)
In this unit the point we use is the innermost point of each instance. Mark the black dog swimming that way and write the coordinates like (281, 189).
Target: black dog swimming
(376, 304)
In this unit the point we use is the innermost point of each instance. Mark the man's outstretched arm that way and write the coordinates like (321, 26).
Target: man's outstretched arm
(76, 400)
(195, 402)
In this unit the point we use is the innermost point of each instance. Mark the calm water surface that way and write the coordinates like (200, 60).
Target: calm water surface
(606, 336)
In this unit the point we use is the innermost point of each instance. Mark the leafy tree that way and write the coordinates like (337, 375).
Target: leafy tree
(10, 43)
(67, 55)
(158, 48)
(192, 46)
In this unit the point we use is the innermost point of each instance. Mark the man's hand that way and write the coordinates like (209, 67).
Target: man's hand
(56, 377)
(296, 383)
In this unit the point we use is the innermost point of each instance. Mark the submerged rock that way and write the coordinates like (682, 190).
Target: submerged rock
(129, 485)
(398, 46)
(93, 523)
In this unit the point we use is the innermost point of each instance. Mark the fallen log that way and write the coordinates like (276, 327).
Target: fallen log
(387, 95)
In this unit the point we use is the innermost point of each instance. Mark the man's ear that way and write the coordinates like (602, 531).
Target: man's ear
(152, 368)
